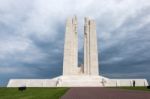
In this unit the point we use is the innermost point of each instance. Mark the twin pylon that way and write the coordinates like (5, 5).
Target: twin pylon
(70, 63)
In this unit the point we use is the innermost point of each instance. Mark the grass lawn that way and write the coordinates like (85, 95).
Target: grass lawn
(32, 93)
(135, 88)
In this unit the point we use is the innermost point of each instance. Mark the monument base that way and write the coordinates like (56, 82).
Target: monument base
(76, 81)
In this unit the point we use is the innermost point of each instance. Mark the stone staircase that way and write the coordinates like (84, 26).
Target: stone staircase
(81, 81)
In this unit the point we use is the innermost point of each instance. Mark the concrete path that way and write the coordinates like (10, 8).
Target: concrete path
(104, 93)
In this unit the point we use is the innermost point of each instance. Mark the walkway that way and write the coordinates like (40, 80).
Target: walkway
(104, 93)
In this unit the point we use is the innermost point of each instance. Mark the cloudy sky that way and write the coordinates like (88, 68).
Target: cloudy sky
(32, 36)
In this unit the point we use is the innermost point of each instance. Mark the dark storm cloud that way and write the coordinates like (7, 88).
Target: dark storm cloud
(32, 36)
(129, 56)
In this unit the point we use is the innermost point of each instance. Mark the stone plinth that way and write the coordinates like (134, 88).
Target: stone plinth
(76, 81)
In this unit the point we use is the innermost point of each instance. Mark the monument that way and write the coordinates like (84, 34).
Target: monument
(86, 75)
(70, 64)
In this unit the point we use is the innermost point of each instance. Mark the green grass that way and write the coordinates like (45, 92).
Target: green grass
(32, 93)
(135, 88)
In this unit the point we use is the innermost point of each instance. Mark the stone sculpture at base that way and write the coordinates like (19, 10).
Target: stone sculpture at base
(86, 75)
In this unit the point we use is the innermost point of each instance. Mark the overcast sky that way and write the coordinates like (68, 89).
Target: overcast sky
(32, 36)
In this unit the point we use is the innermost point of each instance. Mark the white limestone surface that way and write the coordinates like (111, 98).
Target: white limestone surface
(127, 82)
(76, 81)
(32, 83)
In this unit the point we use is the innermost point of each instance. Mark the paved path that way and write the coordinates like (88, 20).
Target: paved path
(105, 93)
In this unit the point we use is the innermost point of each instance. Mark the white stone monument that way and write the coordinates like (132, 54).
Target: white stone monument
(86, 75)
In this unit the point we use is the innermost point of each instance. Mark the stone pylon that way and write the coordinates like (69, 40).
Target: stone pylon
(91, 66)
(70, 62)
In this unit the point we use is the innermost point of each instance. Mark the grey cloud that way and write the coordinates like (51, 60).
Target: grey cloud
(32, 36)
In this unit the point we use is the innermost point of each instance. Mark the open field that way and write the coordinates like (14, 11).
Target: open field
(32, 93)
